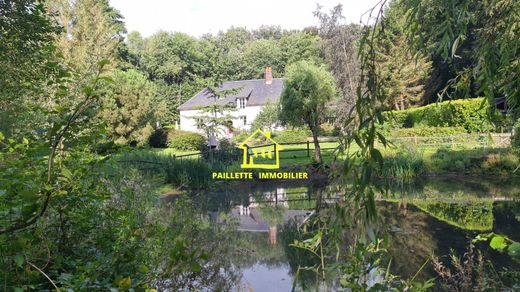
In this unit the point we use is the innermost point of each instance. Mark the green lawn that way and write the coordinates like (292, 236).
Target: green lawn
(297, 154)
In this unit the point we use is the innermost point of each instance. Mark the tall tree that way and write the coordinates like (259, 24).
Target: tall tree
(339, 43)
(28, 62)
(403, 75)
(307, 89)
(93, 31)
(130, 107)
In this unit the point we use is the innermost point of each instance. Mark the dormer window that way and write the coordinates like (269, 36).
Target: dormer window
(241, 103)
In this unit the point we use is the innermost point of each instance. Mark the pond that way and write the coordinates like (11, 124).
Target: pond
(431, 216)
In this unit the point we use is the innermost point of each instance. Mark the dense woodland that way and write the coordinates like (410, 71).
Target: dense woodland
(75, 86)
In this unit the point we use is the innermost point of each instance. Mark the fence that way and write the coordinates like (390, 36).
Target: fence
(292, 150)
(472, 140)
(285, 150)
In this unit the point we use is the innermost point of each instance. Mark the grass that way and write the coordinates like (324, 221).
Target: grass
(401, 162)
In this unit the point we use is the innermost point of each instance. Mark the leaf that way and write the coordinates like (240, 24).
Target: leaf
(18, 259)
(2, 136)
(103, 62)
(498, 243)
(28, 210)
(125, 282)
(378, 157)
(514, 250)
(65, 172)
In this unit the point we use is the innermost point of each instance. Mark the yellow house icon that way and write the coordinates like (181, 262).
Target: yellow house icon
(250, 153)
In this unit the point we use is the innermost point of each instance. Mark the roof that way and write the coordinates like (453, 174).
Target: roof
(256, 91)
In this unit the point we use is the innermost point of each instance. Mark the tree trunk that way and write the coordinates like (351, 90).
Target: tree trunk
(317, 150)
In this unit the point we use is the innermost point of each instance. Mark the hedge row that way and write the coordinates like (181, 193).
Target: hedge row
(427, 132)
(470, 114)
(180, 140)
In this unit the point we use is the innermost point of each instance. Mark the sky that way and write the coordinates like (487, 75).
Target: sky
(197, 17)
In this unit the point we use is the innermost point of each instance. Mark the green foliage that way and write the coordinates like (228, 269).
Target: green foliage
(240, 136)
(403, 80)
(129, 107)
(86, 25)
(403, 165)
(501, 243)
(184, 173)
(227, 153)
(427, 132)
(476, 43)
(515, 142)
(182, 140)
(268, 118)
(292, 135)
(307, 88)
(473, 216)
(159, 138)
(328, 129)
(470, 114)
(471, 271)
(496, 162)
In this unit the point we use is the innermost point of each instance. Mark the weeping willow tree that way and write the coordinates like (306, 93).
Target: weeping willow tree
(431, 27)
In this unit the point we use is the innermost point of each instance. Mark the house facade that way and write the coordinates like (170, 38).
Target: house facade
(249, 97)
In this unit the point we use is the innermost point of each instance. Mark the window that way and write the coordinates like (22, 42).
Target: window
(198, 123)
(241, 103)
(243, 120)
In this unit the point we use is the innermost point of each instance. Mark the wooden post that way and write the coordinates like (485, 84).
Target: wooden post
(308, 149)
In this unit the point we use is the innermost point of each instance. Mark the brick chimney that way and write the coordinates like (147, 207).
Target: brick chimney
(268, 75)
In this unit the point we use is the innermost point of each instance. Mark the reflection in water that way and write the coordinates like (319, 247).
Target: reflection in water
(428, 217)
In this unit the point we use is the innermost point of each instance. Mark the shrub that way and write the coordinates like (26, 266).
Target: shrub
(466, 113)
(240, 136)
(159, 138)
(188, 141)
(292, 135)
(328, 129)
(496, 162)
(226, 153)
(515, 140)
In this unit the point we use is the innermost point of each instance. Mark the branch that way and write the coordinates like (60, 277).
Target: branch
(50, 165)
(43, 273)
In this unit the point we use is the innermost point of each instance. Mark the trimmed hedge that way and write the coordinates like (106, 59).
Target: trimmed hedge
(294, 135)
(466, 113)
(427, 132)
(187, 141)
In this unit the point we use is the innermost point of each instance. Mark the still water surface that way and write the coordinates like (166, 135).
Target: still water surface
(427, 217)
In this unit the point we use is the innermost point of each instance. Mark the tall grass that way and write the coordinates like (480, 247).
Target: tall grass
(404, 165)
(181, 173)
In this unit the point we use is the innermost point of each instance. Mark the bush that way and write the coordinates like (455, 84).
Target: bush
(466, 113)
(240, 136)
(476, 161)
(226, 153)
(293, 135)
(186, 141)
(159, 138)
(327, 129)
(515, 140)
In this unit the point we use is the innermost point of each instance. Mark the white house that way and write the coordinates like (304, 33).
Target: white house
(249, 100)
